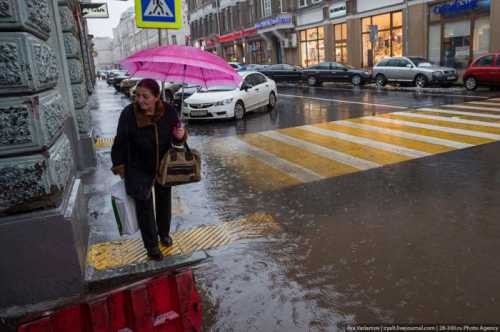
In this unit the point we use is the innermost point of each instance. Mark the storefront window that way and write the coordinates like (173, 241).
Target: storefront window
(257, 54)
(435, 44)
(456, 44)
(340, 42)
(312, 46)
(481, 35)
(389, 38)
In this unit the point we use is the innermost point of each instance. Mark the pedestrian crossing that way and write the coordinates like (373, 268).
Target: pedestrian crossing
(285, 157)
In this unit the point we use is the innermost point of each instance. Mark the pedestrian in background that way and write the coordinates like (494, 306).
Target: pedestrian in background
(146, 129)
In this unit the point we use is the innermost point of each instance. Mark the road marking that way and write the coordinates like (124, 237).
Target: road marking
(403, 134)
(473, 108)
(485, 103)
(322, 151)
(301, 173)
(361, 151)
(378, 145)
(344, 101)
(452, 120)
(451, 112)
(299, 156)
(464, 132)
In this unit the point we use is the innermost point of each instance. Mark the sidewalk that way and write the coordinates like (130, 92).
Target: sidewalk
(111, 257)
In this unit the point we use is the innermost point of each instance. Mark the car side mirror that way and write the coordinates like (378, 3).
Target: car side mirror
(409, 65)
(245, 86)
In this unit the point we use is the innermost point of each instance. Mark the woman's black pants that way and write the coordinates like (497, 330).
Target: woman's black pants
(151, 228)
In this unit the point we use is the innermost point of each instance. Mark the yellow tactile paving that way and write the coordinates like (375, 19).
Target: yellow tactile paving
(424, 131)
(302, 157)
(354, 149)
(114, 254)
(444, 123)
(104, 142)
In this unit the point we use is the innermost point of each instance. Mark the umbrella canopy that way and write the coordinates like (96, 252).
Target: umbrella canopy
(184, 64)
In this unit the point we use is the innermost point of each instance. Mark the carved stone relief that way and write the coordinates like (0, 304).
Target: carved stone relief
(80, 95)
(67, 20)
(5, 10)
(27, 180)
(83, 120)
(72, 46)
(27, 64)
(75, 71)
(26, 15)
(31, 123)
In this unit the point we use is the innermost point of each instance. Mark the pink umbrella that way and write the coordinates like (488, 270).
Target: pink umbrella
(184, 64)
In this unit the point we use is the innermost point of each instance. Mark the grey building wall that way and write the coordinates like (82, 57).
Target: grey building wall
(103, 46)
(45, 79)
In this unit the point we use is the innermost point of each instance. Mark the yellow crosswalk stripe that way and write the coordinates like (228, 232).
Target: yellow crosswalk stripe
(318, 164)
(462, 114)
(358, 150)
(443, 123)
(386, 138)
(424, 131)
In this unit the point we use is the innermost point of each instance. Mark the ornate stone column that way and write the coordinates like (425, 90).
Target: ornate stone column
(42, 209)
(75, 43)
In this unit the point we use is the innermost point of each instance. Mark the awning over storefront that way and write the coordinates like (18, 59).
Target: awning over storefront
(237, 35)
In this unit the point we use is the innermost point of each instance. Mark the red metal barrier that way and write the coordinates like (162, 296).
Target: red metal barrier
(168, 303)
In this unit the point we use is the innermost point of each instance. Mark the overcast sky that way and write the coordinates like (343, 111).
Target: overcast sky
(103, 27)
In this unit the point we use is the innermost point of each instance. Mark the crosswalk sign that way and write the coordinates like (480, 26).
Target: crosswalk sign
(158, 14)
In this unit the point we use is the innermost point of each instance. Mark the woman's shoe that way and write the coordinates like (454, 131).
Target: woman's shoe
(155, 254)
(166, 241)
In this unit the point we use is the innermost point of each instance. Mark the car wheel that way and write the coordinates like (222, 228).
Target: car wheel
(356, 80)
(272, 101)
(312, 81)
(420, 81)
(380, 80)
(239, 111)
(471, 83)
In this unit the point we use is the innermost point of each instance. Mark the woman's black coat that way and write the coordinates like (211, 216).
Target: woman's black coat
(135, 150)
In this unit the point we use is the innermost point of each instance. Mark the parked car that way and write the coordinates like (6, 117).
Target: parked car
(334, 72)
(183, 94)
(237, 66)
(484, 70)
(283, 72)
(127, 84)
(112, 74)
(255, 91)
(255, 67)
(416, 70)
(117, 80)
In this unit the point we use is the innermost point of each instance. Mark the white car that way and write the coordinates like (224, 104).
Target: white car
(255, 91)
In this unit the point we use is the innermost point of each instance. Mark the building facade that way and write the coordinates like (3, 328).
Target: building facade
(103, 53)
(46, 144)
(355, 32)
(128, 38)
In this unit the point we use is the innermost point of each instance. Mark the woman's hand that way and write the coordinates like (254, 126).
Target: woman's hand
(179, 133)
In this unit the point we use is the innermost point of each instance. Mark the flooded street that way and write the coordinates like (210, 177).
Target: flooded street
(389, 216)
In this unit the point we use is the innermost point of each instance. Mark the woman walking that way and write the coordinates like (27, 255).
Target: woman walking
(146, 129)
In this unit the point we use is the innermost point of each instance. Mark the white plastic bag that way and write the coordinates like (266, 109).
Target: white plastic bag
(124, 209)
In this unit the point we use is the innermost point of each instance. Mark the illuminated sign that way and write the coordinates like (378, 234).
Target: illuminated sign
(280, 20)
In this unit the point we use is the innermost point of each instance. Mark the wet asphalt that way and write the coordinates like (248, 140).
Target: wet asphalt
(412, 242)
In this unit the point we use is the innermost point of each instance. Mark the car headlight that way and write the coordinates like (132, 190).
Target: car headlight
(224, 102)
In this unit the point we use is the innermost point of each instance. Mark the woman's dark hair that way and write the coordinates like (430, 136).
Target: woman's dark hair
(151, 85)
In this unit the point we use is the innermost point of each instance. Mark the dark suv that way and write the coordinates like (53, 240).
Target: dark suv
(334, 72)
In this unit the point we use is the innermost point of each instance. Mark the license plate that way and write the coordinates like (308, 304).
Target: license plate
(451, 78)
(199, 113)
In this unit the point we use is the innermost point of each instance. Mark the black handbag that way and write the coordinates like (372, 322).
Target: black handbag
(179, 165)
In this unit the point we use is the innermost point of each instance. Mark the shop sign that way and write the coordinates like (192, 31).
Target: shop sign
(460, 6)
(94, 10)
(338, 9)
(280, 20)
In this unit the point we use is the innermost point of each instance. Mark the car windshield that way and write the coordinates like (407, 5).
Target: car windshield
(420, 61)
